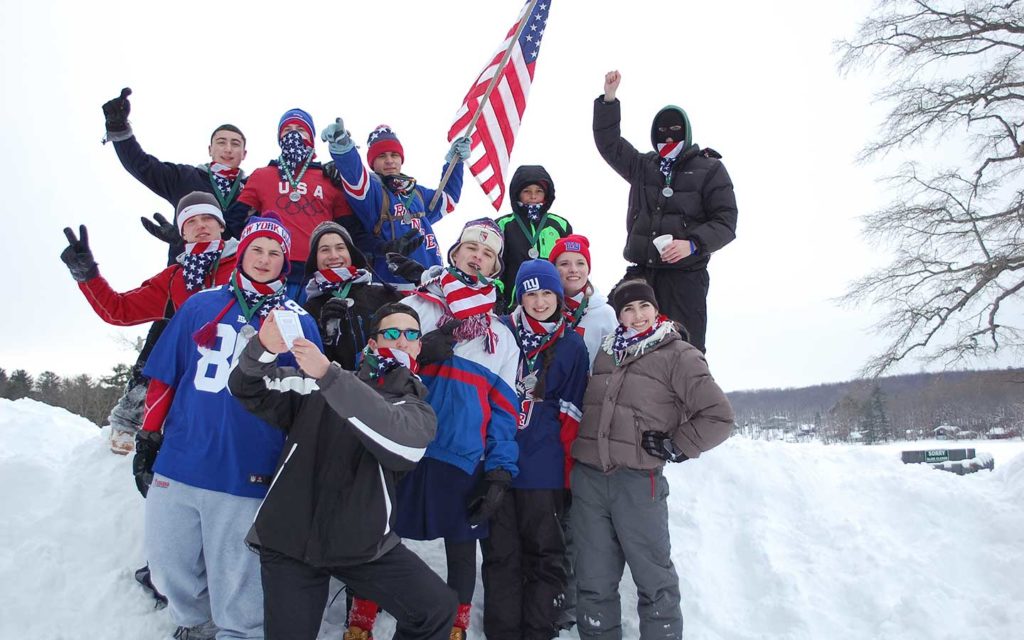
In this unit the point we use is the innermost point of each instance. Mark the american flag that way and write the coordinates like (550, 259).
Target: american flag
(498, 123)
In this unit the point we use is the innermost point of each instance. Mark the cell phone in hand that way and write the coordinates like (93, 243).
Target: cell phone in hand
(289, 326)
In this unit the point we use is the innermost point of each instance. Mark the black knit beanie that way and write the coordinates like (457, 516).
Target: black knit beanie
(631, 291)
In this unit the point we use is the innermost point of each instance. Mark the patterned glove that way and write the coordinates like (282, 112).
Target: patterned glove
(162, 229)
(337, 137)
(78, 256)
(147, 445)
(489, 495)
(660, 445)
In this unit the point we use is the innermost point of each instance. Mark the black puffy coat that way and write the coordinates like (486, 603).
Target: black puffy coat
(702, 207)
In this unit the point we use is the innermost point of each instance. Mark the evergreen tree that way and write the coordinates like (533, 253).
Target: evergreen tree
(19, 385)
(48, 388)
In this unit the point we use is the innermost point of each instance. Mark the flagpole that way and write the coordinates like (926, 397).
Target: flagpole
(484, 101)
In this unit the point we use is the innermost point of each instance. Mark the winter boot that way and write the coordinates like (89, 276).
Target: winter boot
(142, 577)
(126, 416)
(204, 631)
(361, 618)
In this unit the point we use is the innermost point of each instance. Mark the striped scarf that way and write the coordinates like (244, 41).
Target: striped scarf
(576, 307)
(252, 296)
(536, 336)
(668, 152)
(327, 281)
(470, 300)
(198, 261)
(294, 151)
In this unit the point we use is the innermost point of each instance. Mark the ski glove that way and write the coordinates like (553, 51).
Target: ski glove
(439, 344)
(659, 444)
(331, 315)
(116, 112)
(147, 444)
(338, 139)
(330, 171)
(489, 494)
(461, 148)
(405, 267)
(162, 229)
(78, 256)
(403, 245)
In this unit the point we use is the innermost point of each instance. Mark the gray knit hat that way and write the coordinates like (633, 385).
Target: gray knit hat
(195, 204)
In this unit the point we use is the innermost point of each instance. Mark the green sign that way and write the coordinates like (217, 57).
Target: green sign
(936, 455)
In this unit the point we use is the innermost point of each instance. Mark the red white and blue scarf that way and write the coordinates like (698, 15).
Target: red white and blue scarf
(626, 338)
(224, 177)
(198, 261)
(327, 281)
(385, 360)
(668, 152)
(470, 300)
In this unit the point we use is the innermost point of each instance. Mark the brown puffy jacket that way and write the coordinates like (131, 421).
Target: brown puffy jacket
(663, 385)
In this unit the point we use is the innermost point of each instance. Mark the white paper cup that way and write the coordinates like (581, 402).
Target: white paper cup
(662, 241)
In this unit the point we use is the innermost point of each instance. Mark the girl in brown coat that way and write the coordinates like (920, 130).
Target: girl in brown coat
(651, 400)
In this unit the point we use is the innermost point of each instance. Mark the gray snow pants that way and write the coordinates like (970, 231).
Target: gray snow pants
(195, 543)
(618, 518)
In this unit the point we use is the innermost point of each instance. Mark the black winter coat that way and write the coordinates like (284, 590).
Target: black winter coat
(354, 328)
(332, 499)
(702, 207)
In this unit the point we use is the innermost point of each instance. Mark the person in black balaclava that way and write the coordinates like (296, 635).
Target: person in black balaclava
(681, 207)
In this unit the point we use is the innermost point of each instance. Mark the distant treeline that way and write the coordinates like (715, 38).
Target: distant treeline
(89, 398)
(889, 408)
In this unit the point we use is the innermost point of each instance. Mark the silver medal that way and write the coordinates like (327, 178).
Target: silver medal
(530, 381)
(406, 218)
(294, 196)
(534, 254)
(667, 192)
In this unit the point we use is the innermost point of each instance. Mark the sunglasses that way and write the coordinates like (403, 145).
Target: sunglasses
(394, 334)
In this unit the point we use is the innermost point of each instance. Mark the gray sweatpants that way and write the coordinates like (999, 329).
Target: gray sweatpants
(195, 543)
(618, 518)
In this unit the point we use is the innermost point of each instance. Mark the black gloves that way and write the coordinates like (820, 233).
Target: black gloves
(404, 267)
(147, 444)
(162, 229)
(659, 444)
(439, 344)
(78, 256)
(404, 245)
(331, 172)
(331, 315)
(484, 504)
(116, 111)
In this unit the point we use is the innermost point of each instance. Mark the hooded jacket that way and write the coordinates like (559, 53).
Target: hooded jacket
(702, 207)
(349, 439)
(517, 245)
(663, 384)
(157, 297)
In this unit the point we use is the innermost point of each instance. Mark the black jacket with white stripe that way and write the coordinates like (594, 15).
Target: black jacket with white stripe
(331, 502)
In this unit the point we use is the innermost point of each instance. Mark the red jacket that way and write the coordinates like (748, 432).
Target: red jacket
(147, 302)
(320, 201)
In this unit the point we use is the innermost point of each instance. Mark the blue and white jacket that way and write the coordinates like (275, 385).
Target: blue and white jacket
(210, 440)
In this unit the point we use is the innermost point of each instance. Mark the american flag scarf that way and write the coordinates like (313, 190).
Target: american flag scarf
(668, 152)
(253, 297)
(294, 151)
(576, 307)
(626, 338)
(470, 300)
(327, 281)
(532, 211)
(385, 360)
(224, 177)
(197, 262)
(536, 336)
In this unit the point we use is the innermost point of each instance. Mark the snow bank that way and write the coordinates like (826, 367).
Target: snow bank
(771, 540)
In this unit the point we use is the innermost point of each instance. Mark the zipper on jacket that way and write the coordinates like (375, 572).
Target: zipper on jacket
(639, 437)
(276, 476)
(387, 501)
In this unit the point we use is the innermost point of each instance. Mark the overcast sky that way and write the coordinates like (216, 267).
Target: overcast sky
(758, 80)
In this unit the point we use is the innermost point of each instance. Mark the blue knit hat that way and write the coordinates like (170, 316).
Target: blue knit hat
(538, 275)
(299, 117)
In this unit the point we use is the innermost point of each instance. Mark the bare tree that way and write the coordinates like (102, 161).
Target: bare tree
(957, 231)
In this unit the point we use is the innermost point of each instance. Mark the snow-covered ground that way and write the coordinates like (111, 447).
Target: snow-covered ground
(771, 540)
